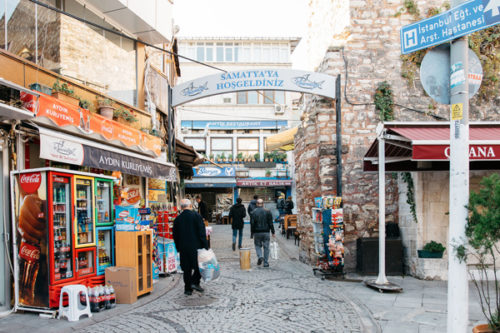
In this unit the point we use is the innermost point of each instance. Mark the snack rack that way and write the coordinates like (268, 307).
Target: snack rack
(166, 253)
(328, 232)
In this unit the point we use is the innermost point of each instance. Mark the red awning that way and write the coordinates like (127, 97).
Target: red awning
(425, 146)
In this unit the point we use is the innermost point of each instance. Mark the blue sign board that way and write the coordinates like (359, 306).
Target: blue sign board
(457, 22)
(212, 171)
(237, 124)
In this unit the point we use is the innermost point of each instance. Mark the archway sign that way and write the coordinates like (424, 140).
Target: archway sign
(254, 79)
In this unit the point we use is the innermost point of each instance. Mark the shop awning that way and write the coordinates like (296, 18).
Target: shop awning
(210, 182)
(187, 158)
(61, 147)
(283, 140)
(424, 146)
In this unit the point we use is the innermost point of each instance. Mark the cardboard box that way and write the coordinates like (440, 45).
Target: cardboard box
(124, 281)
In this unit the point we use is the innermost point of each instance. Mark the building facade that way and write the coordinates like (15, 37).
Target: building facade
(231, 129)
(360, 40)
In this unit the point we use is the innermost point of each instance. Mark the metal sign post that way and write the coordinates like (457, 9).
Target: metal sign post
(458, 288)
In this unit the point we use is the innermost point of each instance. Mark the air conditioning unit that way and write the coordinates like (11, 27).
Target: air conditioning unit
(279, 109)
(185, 130)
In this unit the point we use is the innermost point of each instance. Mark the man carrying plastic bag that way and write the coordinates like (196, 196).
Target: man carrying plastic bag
(209, 267)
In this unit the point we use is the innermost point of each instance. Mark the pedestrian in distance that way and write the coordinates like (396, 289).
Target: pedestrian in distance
(236, 214)
(252, 205)
(280, 204)
(189, 235)
(261, 223)
(289, 206)
(202, 208)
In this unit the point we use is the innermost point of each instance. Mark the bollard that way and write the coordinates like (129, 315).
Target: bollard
(245, 259)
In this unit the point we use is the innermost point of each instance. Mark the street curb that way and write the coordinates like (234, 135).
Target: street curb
(370, 325)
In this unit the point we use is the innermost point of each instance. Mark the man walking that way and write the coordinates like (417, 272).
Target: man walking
(189, 235)
(288, 205)
(252, 205)
(236, 214)
(202, 208)
(261, 223)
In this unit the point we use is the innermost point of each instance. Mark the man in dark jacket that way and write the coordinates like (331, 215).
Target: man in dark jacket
(189, 235)
(252, 205)
(202, 208)
(261, 223)
(288, 206)
(236, 214)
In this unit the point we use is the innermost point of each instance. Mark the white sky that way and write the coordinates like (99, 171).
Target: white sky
(240, 18)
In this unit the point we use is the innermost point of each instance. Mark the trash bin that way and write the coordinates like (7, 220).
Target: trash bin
(245, 259)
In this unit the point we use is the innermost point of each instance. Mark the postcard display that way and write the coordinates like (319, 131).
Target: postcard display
(54, 223)
(328, 230)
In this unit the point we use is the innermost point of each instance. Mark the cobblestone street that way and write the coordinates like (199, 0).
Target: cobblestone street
(285, 297)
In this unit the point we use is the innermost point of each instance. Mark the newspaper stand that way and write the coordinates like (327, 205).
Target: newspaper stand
(328, 232)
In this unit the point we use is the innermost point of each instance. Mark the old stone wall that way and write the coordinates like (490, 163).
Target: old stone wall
(366, 52)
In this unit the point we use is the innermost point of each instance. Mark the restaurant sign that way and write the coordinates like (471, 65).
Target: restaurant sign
(263, 182)
(53, 112)
(66, 151)
(442, 152)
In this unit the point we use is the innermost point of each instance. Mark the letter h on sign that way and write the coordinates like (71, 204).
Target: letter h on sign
(410, 38)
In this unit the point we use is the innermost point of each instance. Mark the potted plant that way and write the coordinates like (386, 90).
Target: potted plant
(106, 108)
(83, 103)
(230, 157)
(64, 92)
(223, 157)
(432, 250)
(284, 157)
(482, 234)
(124, 115)
(211, 157)
(266, 156)
(268, 173)
(257, 157)
(240, 157)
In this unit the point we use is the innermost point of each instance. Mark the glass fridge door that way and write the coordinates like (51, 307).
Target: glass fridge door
(83, 212)
(85, 262)
(103, 203)
(61, 199)
(104, 248)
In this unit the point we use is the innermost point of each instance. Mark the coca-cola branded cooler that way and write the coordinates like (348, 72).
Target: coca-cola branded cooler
(53, 243)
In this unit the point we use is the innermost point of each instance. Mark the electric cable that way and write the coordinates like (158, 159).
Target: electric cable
(346, 63)
(57, 10)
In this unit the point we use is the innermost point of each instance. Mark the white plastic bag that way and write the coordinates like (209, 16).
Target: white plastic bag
(208, 265)
(274, 249)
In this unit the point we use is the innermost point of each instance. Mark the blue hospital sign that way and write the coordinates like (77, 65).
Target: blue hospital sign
(457, 22)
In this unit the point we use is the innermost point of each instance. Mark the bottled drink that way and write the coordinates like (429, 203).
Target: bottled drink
(94, 300)
(102, 298)
(106, 298)
(112, 297)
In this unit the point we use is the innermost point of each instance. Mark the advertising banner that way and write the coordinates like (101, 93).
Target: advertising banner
(213, 171)
(72, 118)
(31, 225)
(262, 182)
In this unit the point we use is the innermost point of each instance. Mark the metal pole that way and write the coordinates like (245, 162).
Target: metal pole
(338, 117)
(381, 279)
(458, 288)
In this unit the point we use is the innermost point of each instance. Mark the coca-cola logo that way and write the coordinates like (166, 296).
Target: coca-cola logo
(30, 182)
(29, 252)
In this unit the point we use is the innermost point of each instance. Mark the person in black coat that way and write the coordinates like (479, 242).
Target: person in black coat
(202, 208)
(252, 205)
(189, 235)
(288, 206)
(236, 214)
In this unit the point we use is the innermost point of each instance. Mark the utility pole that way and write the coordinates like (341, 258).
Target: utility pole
(458, 288)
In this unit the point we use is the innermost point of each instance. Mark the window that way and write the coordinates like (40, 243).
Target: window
(241, 97)
(248, 146)
(246, 53)
(236, 52)
(247, 97)
(274, 97)
(200, 52)
(253, 97)
(209, 52)
(222, 146)
(269, 97)
(220, 52)
(228, 47)
(197, 143)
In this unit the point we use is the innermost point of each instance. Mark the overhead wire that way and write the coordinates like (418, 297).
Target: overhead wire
(57, 10)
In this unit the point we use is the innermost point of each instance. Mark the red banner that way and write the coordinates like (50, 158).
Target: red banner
(442, 152)
(63, 115)
(263, 182)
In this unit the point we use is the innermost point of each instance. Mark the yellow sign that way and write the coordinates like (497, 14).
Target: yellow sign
(457, 111)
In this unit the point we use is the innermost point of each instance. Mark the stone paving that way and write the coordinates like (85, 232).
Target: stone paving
(285, 297)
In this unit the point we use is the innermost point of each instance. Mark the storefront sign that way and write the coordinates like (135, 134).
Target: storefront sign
(442, 152)
(30, 182)
(212, 171)
(240, 124)
(259, 182)
(72, 118)
(254, 79)
(80, 154)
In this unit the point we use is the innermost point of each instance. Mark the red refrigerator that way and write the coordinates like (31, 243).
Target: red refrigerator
(44, 204)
